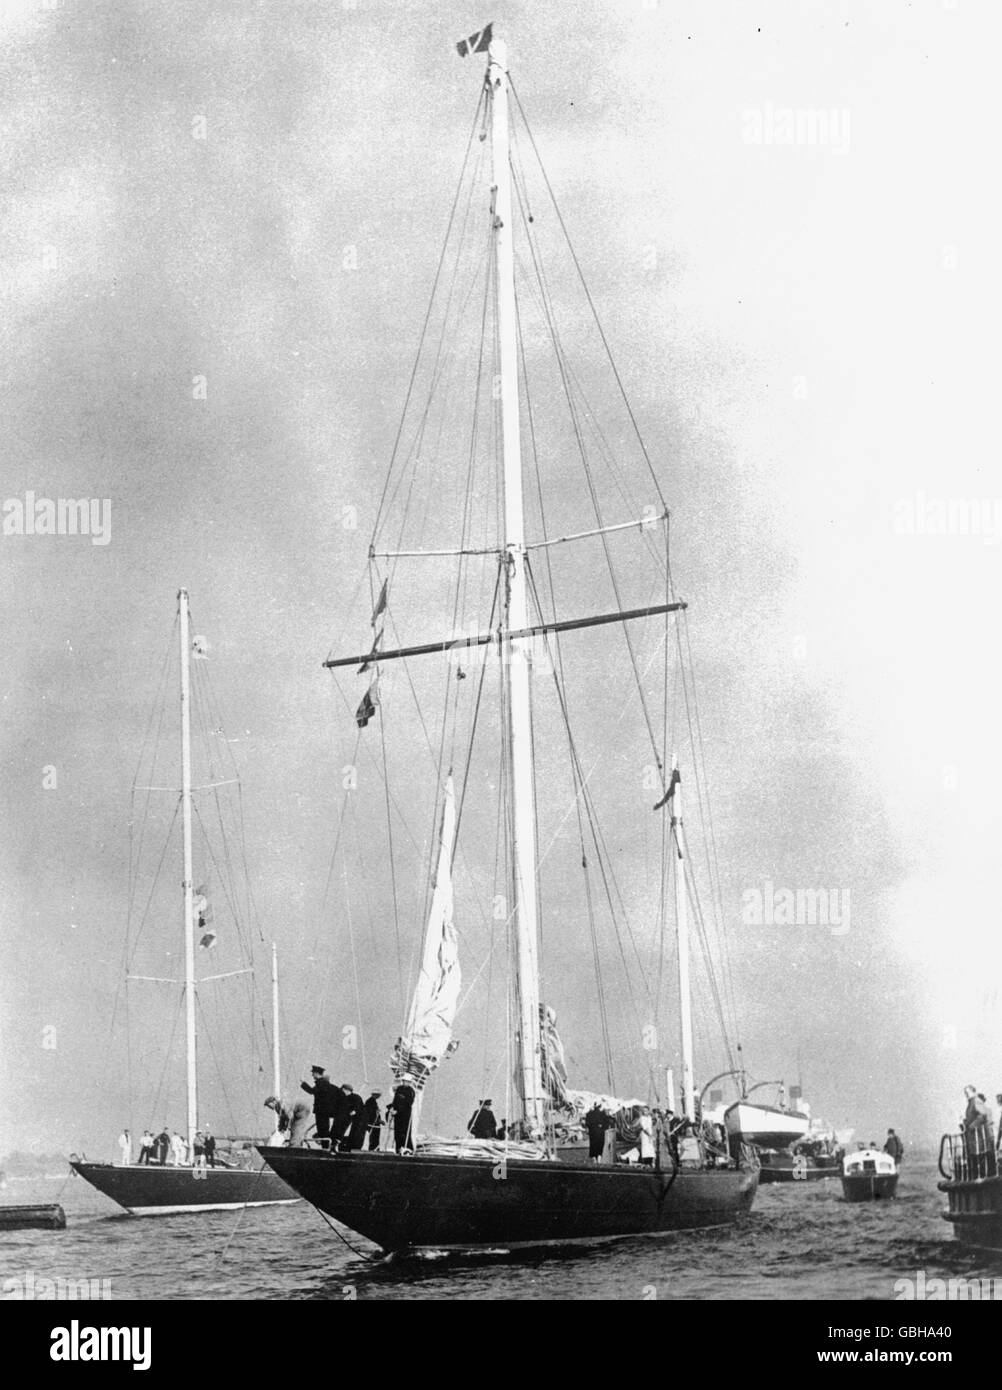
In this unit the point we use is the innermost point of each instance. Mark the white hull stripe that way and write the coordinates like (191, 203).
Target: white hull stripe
(210, 1206)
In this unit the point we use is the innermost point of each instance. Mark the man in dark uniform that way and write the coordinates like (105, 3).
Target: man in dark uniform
(373, 1119)
(356, 1120)
(482, 1123)
(349, 1107)
(338, 1116)
(400, 1108)
(677, 1127)
(324, 1103)
(597, 1123)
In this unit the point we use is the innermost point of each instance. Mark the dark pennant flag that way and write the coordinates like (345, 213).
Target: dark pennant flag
(673, 783)
(367, 708)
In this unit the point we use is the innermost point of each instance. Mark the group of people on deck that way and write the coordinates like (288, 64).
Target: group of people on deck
(167, 1149)
(648, 1129)
(343, 1120)
(977, 1125)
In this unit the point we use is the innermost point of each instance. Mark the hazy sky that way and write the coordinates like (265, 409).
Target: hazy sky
(255, 194)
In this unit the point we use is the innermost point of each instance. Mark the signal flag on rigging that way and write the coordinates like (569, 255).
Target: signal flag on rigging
(202, 909)
(476, 43)
(367, 708)
(373, 656)
(673, 783)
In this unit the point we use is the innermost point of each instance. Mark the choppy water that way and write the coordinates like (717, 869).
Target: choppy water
(798, 1243)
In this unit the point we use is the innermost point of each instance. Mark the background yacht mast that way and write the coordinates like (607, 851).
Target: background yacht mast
(275, 1056)
(189, 905)
(682, 930)
(516, 651)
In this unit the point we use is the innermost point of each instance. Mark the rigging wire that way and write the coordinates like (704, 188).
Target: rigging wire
(567, 377)
(354, 960)
(603, 857)
(424, 328)
(596, 507)
(592, 925)
(591, 303)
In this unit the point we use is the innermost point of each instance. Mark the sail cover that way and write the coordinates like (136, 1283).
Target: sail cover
(427, 1039)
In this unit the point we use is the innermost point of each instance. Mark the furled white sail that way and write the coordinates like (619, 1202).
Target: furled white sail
(427, 1039)
(554, 1063)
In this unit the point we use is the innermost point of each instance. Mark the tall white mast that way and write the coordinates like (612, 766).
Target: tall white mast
(189, 905)
(276, 1064)
(516, 655)
(682, 930)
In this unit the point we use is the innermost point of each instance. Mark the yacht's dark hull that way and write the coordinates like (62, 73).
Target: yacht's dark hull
(424, 1201)
(151, 1190)
(796, 1168)
(975, 1210)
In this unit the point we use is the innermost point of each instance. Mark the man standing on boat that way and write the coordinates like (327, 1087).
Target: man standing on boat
(482, 1124)
(400, 1108)
(125, 1145)
(645, 1137)
(325, 1101)
(354, 1131)
(597, 1123)
(977, 1132)
(373, 1120)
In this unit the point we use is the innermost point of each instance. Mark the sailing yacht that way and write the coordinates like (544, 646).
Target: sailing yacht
(160, 1189)
(534, 1185)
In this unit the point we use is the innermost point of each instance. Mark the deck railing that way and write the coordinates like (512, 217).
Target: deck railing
(969, 1155)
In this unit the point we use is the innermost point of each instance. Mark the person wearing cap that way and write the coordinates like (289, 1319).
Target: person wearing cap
(161, 1146)
(373, 1119)
(482, 1123)
(401, 1108)
(324, 1100)
(354, 1132)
